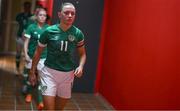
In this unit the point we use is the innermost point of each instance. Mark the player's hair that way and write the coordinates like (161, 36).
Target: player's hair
(40, 9)
(65, 4)
(27, 4)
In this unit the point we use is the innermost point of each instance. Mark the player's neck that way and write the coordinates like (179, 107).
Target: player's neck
(64, 27)
(40, 25)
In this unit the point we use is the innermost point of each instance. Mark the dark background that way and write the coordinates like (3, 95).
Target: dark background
(88, 19)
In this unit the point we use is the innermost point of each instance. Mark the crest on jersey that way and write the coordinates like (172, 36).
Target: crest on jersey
(71, 38)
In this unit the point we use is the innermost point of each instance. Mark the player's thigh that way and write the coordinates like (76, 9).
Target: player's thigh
(49, 102)
(60, 103)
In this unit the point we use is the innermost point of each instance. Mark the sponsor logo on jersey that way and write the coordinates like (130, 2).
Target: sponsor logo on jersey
(35, 32)
(55, 37)
(71, 38)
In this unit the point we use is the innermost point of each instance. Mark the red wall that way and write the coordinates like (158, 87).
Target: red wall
(139, 60)
(47, 4)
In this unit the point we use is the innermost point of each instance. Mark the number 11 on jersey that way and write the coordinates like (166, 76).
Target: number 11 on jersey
(64, 45)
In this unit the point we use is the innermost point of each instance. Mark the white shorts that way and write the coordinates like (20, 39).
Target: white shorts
(56, 83)
(39, 66)
(20, 41)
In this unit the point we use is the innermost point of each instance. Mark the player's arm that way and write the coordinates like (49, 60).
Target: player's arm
(27, 36)
(35, 60)
(36, 57)
(26, 42)
(18, 18)
(82, 59)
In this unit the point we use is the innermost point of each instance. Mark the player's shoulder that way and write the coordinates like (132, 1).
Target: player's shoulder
(52, 28)
(75, 29)
(46, 26)
(33, 25)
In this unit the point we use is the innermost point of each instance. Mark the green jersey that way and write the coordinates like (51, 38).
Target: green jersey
(33, 32)
(22, 20)
(60, 46)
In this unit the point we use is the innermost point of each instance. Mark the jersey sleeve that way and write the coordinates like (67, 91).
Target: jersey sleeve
(18, 17)
(28, 32)
(80, 39)
(43, 39)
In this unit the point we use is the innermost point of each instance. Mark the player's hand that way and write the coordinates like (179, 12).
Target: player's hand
(79, 71)
(32, 78)
(27, 59)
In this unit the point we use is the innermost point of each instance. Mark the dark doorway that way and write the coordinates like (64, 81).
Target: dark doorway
(88, 19)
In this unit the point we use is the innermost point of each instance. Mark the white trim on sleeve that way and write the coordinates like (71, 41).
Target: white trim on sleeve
(27, 35)
(41, 45)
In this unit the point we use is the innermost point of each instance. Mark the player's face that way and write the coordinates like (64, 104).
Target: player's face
(41, 16)
(67, 15)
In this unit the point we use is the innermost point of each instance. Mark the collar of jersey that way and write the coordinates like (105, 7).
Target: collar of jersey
(57, 25)
(36, 23)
